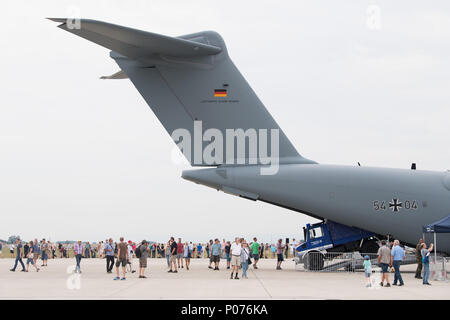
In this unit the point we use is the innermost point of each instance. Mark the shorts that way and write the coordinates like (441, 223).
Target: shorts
(173, 259)
(256, 257)
(228, 257)
(367, 273)
(384, 267)
(143, 263)
(122, 261)
(44, 256)
(30, 260)
(280, 257)
(179, 255)
(215, 259)
(235, 260)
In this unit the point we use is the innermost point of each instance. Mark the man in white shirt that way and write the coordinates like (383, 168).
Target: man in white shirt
(235, 257)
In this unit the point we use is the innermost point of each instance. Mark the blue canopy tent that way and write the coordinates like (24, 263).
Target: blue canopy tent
(441, 226)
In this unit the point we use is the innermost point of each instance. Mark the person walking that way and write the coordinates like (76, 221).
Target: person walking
(122, 259)
(109, 254)
(131, 247)
(245, 256)
(208, 248)
(199, 250)
(235, 257)
(180, 251)
(224, 243)
(60, 248)
(209, 254)
(53, 246)
(384, 261)
(426, 262)
(44, 251)
(367, 270)
(78, 250)
(100, 249)
(286, 249)
(167, 253)
(419, 248)
(256, 252)
(216, 249)
(26, 249)
(173, 256)
(29, 256)
(228, 254)
(87, 250)
(398, 254)
(11, 249)
(280, 246)
(273, 249)
(143, 257)
(187, 255)
(19, 254)
(36, 251)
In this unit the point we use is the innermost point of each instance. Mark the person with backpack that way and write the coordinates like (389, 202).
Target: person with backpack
(426, 262)
(142, 252)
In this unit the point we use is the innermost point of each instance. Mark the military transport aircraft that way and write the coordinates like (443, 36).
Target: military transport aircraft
(195, 90)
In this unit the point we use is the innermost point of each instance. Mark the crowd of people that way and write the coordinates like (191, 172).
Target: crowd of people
(392, 255)
(238, 255)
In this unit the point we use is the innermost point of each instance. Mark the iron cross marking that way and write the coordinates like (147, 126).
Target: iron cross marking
(395, 205)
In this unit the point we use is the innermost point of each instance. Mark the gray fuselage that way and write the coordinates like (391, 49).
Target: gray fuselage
(397, 202)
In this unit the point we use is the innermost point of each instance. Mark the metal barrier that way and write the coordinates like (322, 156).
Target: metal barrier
(439, 268)
(340, 261)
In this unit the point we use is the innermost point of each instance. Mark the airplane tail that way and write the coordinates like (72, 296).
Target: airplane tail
(194, 89)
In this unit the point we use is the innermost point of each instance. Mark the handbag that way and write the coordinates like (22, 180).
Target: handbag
(249, 261)
(426, 259)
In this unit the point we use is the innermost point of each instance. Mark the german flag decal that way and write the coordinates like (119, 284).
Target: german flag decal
(220, 92)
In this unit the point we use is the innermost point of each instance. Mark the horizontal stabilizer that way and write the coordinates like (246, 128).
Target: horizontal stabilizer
(118, 75)
(132, 43)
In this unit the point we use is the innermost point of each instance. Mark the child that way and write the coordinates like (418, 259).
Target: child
(367, 270)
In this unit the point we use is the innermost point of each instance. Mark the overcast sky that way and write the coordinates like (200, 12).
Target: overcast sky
(83, 158)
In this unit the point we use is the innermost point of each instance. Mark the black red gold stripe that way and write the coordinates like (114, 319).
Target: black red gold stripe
(220, 92)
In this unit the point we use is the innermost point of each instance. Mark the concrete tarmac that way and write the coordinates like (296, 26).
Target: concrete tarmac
(58, 282)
